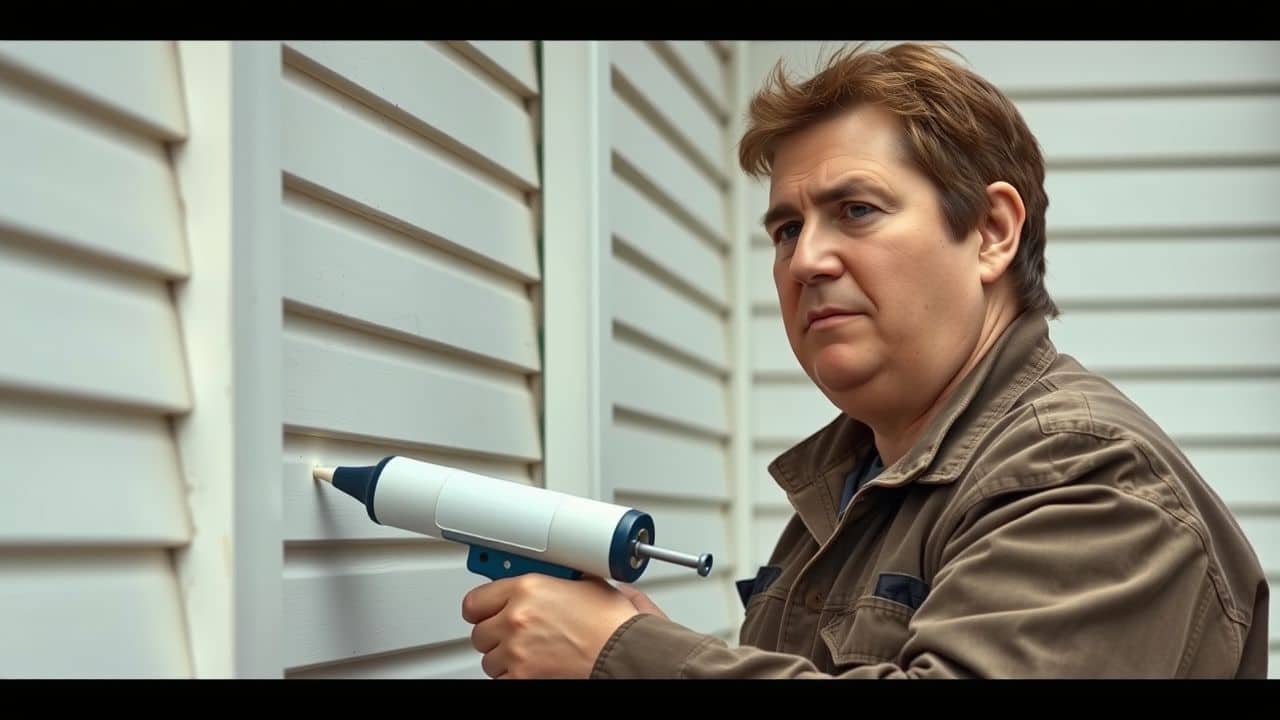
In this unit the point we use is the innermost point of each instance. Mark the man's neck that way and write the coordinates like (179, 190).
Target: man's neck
(894, 439)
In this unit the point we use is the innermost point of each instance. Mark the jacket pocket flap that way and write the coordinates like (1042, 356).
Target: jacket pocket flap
(750, 587)
(873, 631)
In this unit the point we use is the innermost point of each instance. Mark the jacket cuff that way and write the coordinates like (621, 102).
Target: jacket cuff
(648, 646)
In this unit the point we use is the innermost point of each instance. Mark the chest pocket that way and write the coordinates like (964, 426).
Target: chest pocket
(872, 631)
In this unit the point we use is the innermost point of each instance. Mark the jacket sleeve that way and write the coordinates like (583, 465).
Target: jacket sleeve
(1090, 574)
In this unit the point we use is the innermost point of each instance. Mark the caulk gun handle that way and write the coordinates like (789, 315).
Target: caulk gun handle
(498, 564)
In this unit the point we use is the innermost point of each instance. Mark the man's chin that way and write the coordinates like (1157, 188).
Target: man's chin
(835, 370)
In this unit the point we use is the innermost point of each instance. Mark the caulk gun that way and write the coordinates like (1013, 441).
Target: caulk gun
(511, 528)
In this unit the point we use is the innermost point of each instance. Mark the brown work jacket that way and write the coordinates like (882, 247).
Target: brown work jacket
(1042, 526)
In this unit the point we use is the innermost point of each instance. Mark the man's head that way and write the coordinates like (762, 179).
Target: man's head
(906, 193)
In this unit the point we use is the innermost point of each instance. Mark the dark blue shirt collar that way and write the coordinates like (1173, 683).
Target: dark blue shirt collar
(866, 471)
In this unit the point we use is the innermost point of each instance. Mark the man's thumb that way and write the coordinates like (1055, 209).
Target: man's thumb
(641, 601)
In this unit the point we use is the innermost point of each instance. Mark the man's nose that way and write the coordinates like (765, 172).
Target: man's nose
(814, 258)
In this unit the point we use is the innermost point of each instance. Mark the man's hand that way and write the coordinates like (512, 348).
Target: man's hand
(534, 626)
(641, 601)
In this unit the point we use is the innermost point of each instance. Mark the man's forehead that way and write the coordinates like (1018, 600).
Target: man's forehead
(867, 137)
(849, 172)
(822, 170)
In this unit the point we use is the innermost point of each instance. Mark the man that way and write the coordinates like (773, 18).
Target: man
(984, 506)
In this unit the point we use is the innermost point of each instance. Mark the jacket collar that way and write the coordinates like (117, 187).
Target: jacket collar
(812, 472)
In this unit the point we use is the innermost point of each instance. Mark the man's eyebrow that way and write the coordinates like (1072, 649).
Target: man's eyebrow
(832, 194)
(776, 213)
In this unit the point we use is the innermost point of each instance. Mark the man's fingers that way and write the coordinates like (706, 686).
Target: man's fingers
(486, 601)
(486, 635)
(494, 663)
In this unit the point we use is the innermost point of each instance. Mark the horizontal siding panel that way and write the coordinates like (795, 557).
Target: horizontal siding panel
(91, 614)
(687, 529)
(120, 470)
(364, 272)
(643, 226)
(402, 181)
(1167, 198)
(89, 187)
(700, 604)
(671, 172)
(687, 397)
(801, 56)
(1263, 532)
(1117, 130)
(651, 461)
(766, 491)
(763, 290)
(704, 68)
(116, 336)
(1222, 407)
(337, 382)
(770, 350)
(330, 452)
(1024, 66)
(1170, 340)
(335, 611)
(651, 308)
(670, 97)
(1183, 270)
(1243, 476)
(513, 60)
(409, 78)
(455, 661)
(757, 205)
(137, 80)
(783, 413)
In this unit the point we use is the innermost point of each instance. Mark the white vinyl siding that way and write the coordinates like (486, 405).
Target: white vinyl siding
(214, 240)
(410, 260)
(1164, 235)
(666, 446)
(93, 368)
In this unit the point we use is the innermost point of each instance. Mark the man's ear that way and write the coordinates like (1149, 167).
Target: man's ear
(1000, 229)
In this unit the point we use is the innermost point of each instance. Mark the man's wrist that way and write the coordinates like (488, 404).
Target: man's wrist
(647, 646)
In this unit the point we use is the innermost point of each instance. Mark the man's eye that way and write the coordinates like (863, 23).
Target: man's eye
(788, 232)
(857, 210)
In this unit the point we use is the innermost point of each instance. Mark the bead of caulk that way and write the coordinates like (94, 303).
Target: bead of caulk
(322, 473)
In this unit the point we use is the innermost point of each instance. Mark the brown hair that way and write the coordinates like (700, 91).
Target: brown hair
(961, 131)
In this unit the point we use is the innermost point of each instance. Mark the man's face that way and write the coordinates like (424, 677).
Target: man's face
(881, 305)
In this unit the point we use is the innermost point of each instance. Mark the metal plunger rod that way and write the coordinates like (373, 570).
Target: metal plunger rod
(702, 563)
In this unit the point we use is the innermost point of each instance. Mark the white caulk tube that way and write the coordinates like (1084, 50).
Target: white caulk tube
(511, 528)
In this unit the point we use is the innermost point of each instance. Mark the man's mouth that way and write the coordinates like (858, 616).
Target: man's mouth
(825, 317)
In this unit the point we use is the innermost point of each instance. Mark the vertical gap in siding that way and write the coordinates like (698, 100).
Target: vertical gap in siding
(173, 554)
(533, 106)
(740, 444)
